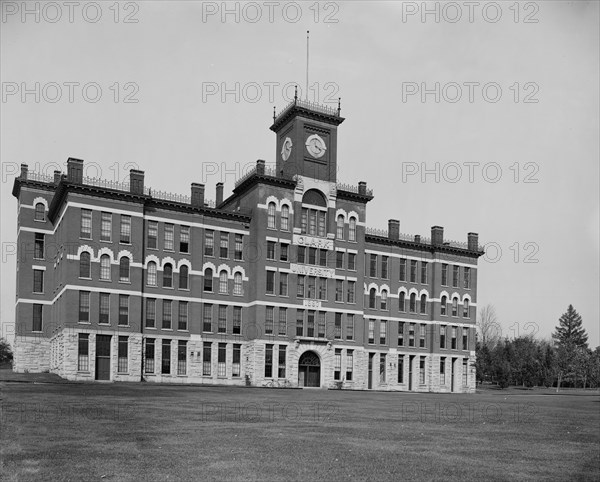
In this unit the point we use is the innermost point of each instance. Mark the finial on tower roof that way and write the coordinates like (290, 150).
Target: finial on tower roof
(296, 94)
(339, 105)
(273, 113)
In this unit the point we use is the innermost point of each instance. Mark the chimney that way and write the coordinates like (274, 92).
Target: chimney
(362, 187)
(473, 241)
(260, 167)
(24, 171)
(219, 199)
(393, 229)
(57, 177)
(75, 170)
(136, 181)
(437, 235)
(417, 238)
(197, 195)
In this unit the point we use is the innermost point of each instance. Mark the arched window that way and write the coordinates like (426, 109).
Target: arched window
(413, 303)
(208, 279)
(443, 305)
(372, 294)
(423, 304)
(466, 308)
(285, 217)
(105, 267)
(384, 299)
(223, 282)
(271, 215)
(340, 227)
(455, 306)
(237, 284)
(84, 265)
(314, 213)
(40, 212)
(402, 301)
(151, 274)
(183, 277)
(124, 269)
(352, 229)
(168, 275)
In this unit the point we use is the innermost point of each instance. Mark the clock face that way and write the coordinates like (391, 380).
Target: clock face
(286, 148)
(315, 146)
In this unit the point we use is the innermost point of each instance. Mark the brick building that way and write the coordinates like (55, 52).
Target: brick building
(280, 284)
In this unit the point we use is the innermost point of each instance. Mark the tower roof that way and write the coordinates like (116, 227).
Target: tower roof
(311, 110)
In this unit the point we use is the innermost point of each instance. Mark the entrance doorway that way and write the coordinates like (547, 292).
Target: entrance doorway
(103, 357)
(370, 378)
(411, 362)
(309, 370)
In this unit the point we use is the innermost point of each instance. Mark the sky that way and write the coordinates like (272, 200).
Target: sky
(476, 118)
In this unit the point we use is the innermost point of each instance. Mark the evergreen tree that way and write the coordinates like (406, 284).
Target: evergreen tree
(569, 332)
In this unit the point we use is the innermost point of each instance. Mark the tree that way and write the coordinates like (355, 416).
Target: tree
(569, 332)
(6, 355)
(488, 326)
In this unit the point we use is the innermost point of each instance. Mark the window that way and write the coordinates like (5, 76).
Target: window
(165, 368)
(312, 255)
(271, 208)
(224, 246)
(444, 275)
(237, 356)
(268, 361)
(105, 267)
(455, 306)
(83, 350)
(85, 265)
(465, 372)
(223, 282)
(443, 336)
(339, 259)
(125, 229)
(169, 232)
(105, 226)
(455, 275)
(283, 252)
(400, 368)
(411, 334)
(40, 212)
(184, 239)
(402, 301)
(422, 330)
(122, 354)
(467, 278)
(352, 261)
(282, 321)
(402, 269)
(150, 313)
(372, 294)
(443, 371)
(123, 310)
(313, 222)
(181, 357)
(423, 304)
(382, 358)
(153, 234)
(352, 229)
(382, 332)
(206, 358)
(349, 326)
(466, 308)
(310, 324)
(222, 360)
(413, 303)
(239, 247)
(339, 290)
(124, 269)
(349, 365)
(422, 370)
(384, 297)
(423, 272)
(86, 224)
(337, 328)
(37, 318)
(151, 274)
(400, 333)
(270, 249)
(373, 266)
(168, 275)
(209, 243)
(322, 257)
(371, 331)
(84, 307)
(283, 284)
(465, 339)
(281, 362)
(207, 318)
(285, 217)
(208, 279)
(269, 320)
(351, 291)
(149, 356)
(222, 320)
(384, 267)
(167, 314)
(183, 277)
(340, 227)
(237, 284)
(182, 313)
(237, 320)
(413, 271)
(300, 288)
(301, 254)
(453, 341)
(104, 308)
(444, 305)
(337, 368)
(321, 325)
(270, 282)
(38, 251)
(299, 322)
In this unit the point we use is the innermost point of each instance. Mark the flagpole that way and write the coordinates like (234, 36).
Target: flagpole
(307, 49)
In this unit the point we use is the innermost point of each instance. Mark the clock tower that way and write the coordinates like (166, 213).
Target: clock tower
(307, 140)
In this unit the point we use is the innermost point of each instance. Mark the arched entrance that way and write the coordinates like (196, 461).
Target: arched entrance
(309, 370)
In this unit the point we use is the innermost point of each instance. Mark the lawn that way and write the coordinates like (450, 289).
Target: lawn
(161, 432)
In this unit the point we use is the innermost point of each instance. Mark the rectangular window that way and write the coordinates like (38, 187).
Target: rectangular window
(153, 234)
(269, 320)
(84, 307)
(181, 357)
(270, 289)
(351, 291)
(169, 237)
(183, 315)
(283, 252)
(149, 356)
(384, 267)
(268, 361)
(301, 254)
(339, 259)
(349, 365)
(453, 346)
(411, 334)
(465, 372)
(400, 368)
(422, 370)
(237, 320)
(37, 318)
(206, 358)
(402, 269)
(86, 224)
(207, 318)
(382, 370)
(104, 308)
(371, 331)
(312, 287)
(122, 354)
(339, 290)
(300, 289)
(321, 216)
(422, 335)
(310, 325)
(349, 326)
(222, 323)
(300, 323)
(337, 328)
(281, 362)
(166, 357)
(222, 360)
(444, 275)
(312, 255)
(455, 276)
(442, 371)
(184, 239)
(467, 278)
(424, 272)
(282, 321)
(209, 243)
(382, 332)
(105, 226)
(352, 261)
(443, 336)
(322, 288)
(150, 313)
(271, 250)
(323, 257)
(167, 312)
(373, 266)
(125, 229)
(321, 325)
(413, 271)
(283, 284)
(83, 359)
(465, 338)
(239, 247)
(400, 333)
(38, 252)
(337, 368)
(224, 246)
(237, 357)
(38, 281)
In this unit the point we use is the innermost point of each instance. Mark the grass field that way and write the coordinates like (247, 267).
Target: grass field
(161, 432)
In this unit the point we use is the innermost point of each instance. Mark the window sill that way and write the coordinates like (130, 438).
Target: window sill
(126, 243)
(84, 323)
(150, 328)
(123, 326)
(125, 282)
(105, 241)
